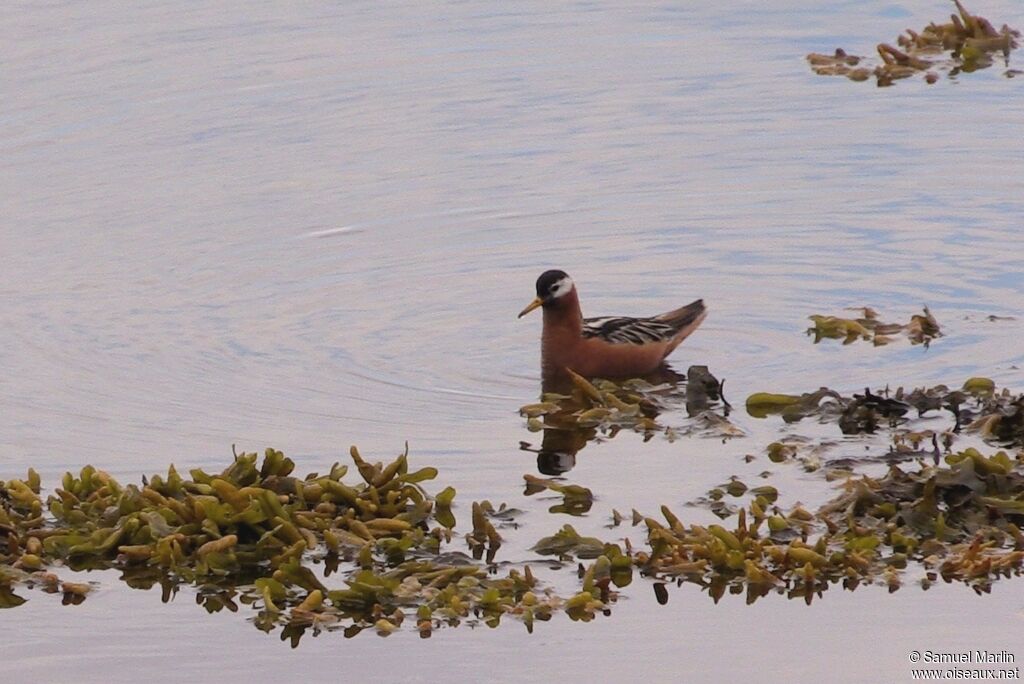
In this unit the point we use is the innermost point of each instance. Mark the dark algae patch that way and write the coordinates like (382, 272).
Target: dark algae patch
(966, 43)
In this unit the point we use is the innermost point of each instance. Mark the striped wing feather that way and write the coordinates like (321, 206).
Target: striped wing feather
(622, 329)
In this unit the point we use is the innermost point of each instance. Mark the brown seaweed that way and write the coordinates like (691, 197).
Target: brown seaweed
(971, 41)
(921, 329)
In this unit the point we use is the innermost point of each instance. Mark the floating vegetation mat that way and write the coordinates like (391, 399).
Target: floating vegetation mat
(256, 534)
(603, 407)
(966, 43)
(958, 523)
(977, 408)
(373, 550)
(921, 329)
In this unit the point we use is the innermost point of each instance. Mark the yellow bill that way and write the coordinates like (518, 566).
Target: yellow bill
(537, 301)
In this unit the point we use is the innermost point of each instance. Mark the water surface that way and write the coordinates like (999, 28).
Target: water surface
(313, 225)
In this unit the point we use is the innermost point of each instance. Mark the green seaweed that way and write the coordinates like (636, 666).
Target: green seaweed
(977, 408)
(378, 553)
(249, 533)
(921, 329)
(576, 500)
(591, 410)
(960, 522)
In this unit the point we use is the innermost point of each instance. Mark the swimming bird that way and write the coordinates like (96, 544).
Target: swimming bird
(608, 347)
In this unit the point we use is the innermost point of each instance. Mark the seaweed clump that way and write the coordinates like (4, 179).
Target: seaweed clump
(254, 532)
(576, 500)
(921, 329)
(976, 407)
(960, 523)
(860, 413)
(970, 39)
(606, 407)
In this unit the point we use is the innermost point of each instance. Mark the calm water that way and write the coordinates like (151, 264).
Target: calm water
(311, 225)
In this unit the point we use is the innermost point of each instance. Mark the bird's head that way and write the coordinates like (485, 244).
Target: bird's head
(551, 286)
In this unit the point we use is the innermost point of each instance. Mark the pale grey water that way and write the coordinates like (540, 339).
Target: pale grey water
(310, 225)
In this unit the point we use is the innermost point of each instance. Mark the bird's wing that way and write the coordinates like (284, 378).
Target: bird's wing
(622, 329)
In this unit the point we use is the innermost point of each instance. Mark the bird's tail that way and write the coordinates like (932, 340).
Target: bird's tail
(685, 319)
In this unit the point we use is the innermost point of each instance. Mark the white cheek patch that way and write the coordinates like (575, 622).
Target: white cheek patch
(561, 288)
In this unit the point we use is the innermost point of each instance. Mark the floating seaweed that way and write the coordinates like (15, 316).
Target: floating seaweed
(251, 532)
(971, 41)
(977, 407)
(576, 500)
(716, 501)
(921, 329)
(257, 535)
(960, 523)
(600, 405)
(567, 543)
(809, 456)
(791, 407)
(587, 411)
